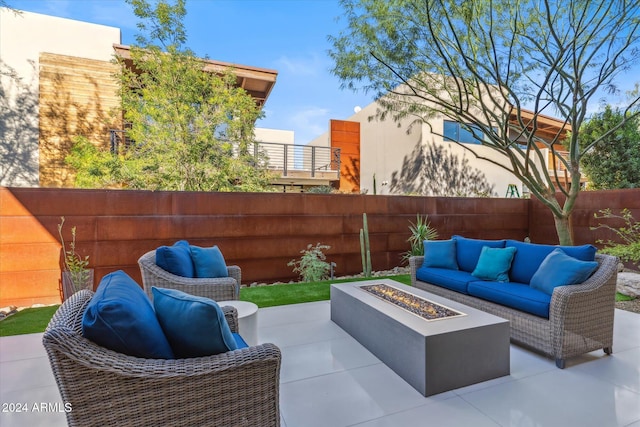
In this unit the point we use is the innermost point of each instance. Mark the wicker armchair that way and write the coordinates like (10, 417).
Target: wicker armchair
(218, 289)
(105, 388)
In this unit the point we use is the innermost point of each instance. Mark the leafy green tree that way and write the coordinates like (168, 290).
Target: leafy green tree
(190, 128)
(614, 160)
(479, 62)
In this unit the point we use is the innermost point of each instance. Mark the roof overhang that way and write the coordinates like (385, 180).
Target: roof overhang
(257, 82)
(547, 127)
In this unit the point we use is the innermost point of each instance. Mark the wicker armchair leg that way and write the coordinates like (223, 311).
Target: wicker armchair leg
(560, 363)
(608, 350)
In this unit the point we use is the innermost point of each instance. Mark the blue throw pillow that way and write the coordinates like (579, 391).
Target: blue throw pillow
(468, 251)
(195, 326)
(440, 254)
(559, 269)
(120, 317)
(494, 264)
(530, 255)
(208, 262)
(176, 259)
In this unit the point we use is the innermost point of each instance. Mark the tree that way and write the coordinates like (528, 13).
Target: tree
(478, 62)
(613, 161)
(190, 129)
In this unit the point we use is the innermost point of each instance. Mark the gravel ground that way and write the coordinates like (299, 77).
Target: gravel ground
(633, 305)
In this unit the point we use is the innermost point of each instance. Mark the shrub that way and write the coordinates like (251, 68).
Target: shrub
(629, 234)
(312, 266)
(420, 231)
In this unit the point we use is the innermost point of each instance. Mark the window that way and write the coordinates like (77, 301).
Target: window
(454, 131)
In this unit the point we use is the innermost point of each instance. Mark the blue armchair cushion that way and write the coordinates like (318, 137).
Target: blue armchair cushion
(176, 259)
(468, 251)
(208, 262)
(494, 264)
(529, 256)
(559, 269)
(120, 317)
(440, 254)
(194, 326)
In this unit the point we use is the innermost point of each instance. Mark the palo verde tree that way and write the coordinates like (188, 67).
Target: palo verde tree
(482, 62)
(191, 128)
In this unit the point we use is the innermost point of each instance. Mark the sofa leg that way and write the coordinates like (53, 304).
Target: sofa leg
(560, 363)
(608, 350)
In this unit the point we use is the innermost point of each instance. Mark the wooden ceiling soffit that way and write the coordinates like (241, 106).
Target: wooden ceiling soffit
(548, 127)
(257, 82)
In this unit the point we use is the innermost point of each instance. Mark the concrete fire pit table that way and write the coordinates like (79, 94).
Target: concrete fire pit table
(433, 356)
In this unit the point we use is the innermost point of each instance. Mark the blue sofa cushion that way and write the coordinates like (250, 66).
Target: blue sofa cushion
(529, 256)
(120, 317)
(176, 259)
(468, 251)
(456, 280)
(515, 295)
(240, 342)
(440, 254)
(559, 269)
(208, 262)
(195, 326)
(494, 264)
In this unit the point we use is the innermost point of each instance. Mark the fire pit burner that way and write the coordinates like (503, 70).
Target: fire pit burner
(424, 308)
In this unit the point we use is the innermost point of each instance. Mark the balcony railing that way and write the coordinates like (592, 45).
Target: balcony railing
(292, 159)
(295, 161)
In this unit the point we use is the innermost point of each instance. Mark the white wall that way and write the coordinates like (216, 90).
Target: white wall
(387, 149)
(23, 37)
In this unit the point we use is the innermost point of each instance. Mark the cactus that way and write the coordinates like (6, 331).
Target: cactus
(375, 189)
(365, 250)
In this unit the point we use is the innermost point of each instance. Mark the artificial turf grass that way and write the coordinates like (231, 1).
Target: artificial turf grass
(27, 321)
(296, 293)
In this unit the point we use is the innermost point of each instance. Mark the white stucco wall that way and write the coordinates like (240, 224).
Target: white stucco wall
(23, 37)
(386, 148)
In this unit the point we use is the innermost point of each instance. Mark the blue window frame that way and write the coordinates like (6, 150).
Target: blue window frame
(454, 131)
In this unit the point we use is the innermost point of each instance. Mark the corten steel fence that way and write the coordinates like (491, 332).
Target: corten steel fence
(260, 232)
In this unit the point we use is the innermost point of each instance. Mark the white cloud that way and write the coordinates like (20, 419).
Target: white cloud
(308, 123)
(311, 65)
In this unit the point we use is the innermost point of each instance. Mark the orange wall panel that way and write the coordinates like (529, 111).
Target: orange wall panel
(346, 136)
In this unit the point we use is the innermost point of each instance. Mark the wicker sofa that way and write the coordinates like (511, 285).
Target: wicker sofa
(105, 388)
(580, 316)
(218, 289)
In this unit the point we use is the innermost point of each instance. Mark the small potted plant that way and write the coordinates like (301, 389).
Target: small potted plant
(76, 276)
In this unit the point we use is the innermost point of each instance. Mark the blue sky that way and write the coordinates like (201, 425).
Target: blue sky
(289, 36)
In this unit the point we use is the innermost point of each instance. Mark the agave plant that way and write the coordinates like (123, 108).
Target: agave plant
(420, 231)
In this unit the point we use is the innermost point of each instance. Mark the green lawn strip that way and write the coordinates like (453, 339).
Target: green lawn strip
(296, 293)
(27, 321)
(622, 297)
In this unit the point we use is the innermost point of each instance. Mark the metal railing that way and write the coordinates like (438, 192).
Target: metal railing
(291, 157)
(286, 158)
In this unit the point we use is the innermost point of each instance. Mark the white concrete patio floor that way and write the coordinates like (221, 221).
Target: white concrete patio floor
(330, 380)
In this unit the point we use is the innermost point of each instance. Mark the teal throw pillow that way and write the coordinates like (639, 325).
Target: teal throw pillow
(559, 269)
(440, 254)
(120, 317)
(208, 262)
(194, 326)
(494, 264)
(176, 259)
